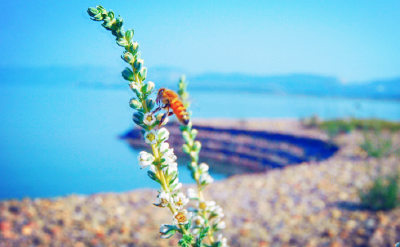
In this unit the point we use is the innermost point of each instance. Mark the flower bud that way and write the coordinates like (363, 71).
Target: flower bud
(143, 73)
(205, 179)
(133, 47)
(122, 42)
(128, 57)
(101, 9)
(186, 148)
(221, 225)
(203, 167)
(148, 88)
(197, 146)
(127, 74)
(167, 231)
(111, 14)
(133, 103)
(192, 194)
(93, 11)
(136, 89)
(186, 136)
(193, 133)
(129, 34)
(194, 155)
(107, 23)
(163, 134)
(138, 64)
(119, 22)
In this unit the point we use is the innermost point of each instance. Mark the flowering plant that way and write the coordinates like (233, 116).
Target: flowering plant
(161, 162)
(208, 215)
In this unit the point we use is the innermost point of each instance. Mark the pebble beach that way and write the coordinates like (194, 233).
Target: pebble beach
(309, 204)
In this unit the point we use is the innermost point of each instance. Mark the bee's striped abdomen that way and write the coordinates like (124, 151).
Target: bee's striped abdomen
(180, 111)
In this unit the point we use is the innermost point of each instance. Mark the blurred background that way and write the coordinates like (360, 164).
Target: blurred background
(65, 105)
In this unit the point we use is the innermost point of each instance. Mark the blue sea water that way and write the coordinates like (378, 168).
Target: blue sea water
(60, 140)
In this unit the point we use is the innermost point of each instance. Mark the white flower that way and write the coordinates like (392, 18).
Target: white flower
(149, 119)
(176, 185)
(192, 194)
(206, 205)
(163, 134)
(203, 167)
(198, 220)
(205, 179)
(163, 199)
(159, 116)
(150, 137)
(182, 217)
(168, 157)
(180, 200)
(173, 167)
(222, 240)
(221, 225)
(145, 159)
(217, 211)
(164, 147)
(166, 231)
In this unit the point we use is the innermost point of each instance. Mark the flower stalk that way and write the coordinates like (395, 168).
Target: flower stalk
(162, 161)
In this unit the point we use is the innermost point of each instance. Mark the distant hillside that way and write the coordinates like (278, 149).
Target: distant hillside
(299, 84)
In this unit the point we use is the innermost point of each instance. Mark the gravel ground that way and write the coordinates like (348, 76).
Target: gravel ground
(311, 204)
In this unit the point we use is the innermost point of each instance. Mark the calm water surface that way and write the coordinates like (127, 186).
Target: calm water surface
(62, 140)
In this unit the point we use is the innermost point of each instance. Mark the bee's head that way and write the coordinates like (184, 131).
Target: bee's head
(160, 95)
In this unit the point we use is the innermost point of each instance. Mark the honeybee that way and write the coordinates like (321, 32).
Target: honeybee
(168, 99)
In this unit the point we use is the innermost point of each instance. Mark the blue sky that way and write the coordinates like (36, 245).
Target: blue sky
(351, 40)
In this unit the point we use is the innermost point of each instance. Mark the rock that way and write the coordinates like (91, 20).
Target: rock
(336, 213)
(351, 224)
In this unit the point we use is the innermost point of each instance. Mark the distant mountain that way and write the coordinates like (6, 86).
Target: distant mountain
(297, 84)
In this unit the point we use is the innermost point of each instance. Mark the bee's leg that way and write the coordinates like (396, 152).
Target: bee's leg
(156, 110)
(165, 116)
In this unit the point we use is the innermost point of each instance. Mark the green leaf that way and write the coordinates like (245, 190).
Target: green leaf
(187, 226)
(152, 175)
(183, 128)
(173, 176)
(186, 240)
(202, 235)
(150, 104)
(127, 74)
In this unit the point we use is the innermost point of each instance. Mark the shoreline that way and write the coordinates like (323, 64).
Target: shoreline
(314, 203)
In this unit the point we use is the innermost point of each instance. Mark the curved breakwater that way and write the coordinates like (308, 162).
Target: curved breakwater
(242, 147)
